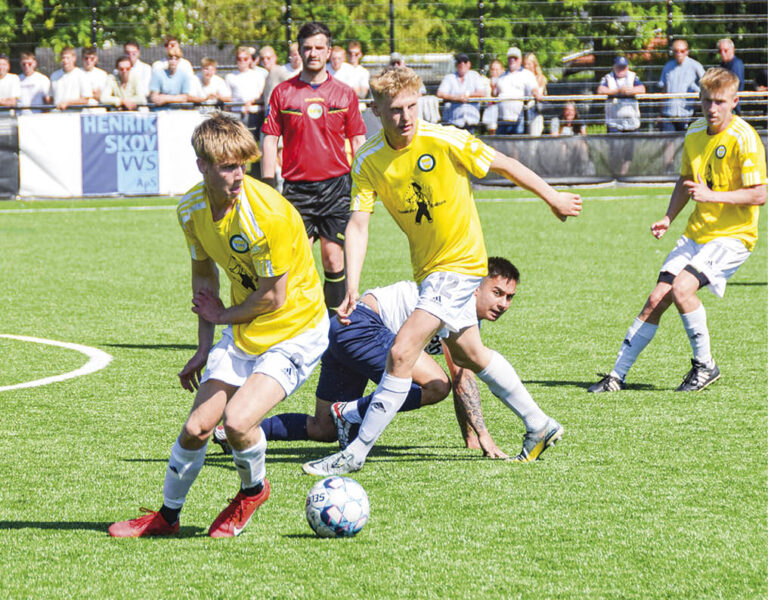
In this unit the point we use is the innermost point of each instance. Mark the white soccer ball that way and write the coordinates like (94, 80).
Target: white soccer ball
(337, 507)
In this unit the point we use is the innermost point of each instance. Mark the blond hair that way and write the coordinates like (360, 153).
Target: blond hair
(224, 139)
(718, 79)
(393, 80)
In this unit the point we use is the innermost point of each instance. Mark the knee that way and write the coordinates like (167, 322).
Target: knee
(195, 430)
(237, 428)
(681, 293)
(435, 391)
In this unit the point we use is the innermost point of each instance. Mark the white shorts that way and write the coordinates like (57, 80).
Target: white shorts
(451, 298)
(290, 362)
(716, 260)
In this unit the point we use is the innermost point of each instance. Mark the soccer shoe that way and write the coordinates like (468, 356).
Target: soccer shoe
(152, 523)
(608, 383)
(233, 519)
(220, 438)
(336, 464)
(535, 442)
(344, 429)
(698, 377)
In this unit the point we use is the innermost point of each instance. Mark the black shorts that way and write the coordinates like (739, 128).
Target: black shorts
(323, 205)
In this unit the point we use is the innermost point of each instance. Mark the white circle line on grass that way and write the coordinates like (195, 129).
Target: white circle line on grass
(98, 359)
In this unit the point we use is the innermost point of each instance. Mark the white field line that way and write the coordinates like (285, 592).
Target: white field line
(173, 207)
(97, 361)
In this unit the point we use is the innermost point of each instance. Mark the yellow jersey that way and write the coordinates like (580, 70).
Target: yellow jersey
(261, 236)
(426, 188)
(727, 161)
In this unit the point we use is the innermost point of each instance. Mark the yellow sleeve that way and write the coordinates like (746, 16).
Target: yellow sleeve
(752, 159)
(363, 193)
(196, 250)
(474, 155)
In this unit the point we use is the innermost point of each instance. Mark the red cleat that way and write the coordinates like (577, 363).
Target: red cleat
(151, 523)
(235, 517)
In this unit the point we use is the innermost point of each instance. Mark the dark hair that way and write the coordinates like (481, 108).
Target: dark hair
(132, 43)
(123, 58)
(4, 57)
(313, 28)
(501, 267)
(90, 51)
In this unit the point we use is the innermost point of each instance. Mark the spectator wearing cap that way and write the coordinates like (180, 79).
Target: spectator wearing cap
(456, 90)
(396, 60)
(512, 87)
(730, 61)
(10, 86)
(622, 110)
(679, 76)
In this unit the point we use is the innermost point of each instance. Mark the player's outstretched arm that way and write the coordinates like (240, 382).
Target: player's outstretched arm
(700, 192)
(205, 276)
(562, 204)
(469, 414)
(677, 202)
(355, 248)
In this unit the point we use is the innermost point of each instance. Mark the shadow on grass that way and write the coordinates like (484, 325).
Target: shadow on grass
(757, 283)
(154, 346)
(184, 532)
(585, 384)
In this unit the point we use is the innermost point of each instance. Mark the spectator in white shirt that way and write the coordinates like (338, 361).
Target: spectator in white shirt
(69, 86)
(294, 64)
(361, 76)
(96, 77)
(122, 91)
(211, 88)
(247, 86)
(35, 87)
(10, 87)
(339, 66)
(184, 66)
(456, 90)
(277, 73)
(516, 84)
(140, 70)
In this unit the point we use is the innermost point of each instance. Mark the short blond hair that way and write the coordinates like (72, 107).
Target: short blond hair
(718, 79)
(393, 80)
(223, 139)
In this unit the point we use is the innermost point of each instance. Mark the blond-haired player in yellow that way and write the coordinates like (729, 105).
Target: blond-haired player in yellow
(421, 172)
(723, 172)
(277, 323)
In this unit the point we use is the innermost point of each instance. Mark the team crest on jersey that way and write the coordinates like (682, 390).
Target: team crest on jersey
(720, 151)
(426, 162)
(420, 201)
(238, 243)
(314, 111)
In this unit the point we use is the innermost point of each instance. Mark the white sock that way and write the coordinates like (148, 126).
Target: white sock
(695, 324)
(250, 463)
(183, 467)
(387, 400)
(501, 378)
(350, 412)
(639, 335)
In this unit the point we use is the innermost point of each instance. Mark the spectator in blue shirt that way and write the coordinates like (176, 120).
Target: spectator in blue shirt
(680, 76)
(456, 90)
(730, 61)
(171, 85)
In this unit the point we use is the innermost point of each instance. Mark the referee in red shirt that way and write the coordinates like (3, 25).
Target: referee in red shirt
(316, 114)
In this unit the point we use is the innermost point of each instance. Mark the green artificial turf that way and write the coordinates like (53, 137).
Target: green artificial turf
(651, 494)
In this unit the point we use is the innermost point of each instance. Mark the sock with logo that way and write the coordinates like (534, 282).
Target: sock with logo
(412, 402)
(250, 463)
(695, 324)
(639, 335)
(183, 468)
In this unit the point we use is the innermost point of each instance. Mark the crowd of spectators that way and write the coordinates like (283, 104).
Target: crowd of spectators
(519, 88)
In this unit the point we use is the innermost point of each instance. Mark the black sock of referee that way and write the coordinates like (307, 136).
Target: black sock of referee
(335, 288)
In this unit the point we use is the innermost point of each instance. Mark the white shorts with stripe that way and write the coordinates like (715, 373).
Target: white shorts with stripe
(451, 298)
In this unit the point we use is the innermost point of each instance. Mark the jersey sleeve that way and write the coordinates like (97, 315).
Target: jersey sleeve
(355, 123)
(196, 250)
(474, 155)
(686, 170)
(363, 193)
(752, 158)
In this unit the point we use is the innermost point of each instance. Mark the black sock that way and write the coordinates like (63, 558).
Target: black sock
(170, 514)
(253, 491)
(335, 288)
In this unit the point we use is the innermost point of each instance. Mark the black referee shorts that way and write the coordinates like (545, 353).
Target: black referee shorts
(323, 205)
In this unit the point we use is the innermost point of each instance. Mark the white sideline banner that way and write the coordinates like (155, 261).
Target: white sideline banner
(50, 164)
(52, 147)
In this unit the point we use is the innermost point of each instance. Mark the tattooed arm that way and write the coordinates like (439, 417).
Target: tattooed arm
(469, 414)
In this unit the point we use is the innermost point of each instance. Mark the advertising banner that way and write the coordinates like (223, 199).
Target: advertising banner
(9, 156)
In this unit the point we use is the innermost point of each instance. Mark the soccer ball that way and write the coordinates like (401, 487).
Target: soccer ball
(337, 507)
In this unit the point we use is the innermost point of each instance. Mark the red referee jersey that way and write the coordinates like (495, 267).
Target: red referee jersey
(314, 123)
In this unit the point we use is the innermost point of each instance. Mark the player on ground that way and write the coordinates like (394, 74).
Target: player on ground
(421, 173)
(723, 172)
(316, 114)
(357, 353)
(278, 325)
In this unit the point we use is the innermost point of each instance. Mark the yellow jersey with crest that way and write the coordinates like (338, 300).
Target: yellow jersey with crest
(261, 236)
(727, 161)
(426, 188)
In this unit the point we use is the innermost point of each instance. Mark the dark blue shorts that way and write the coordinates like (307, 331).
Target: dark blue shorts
(356, 354)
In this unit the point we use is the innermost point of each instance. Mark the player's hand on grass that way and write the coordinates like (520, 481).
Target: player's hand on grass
(699, 191)
(490, 449)
(565, 204)
(209, 306)
(190, 375)
(347, 306)
(660, 227)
